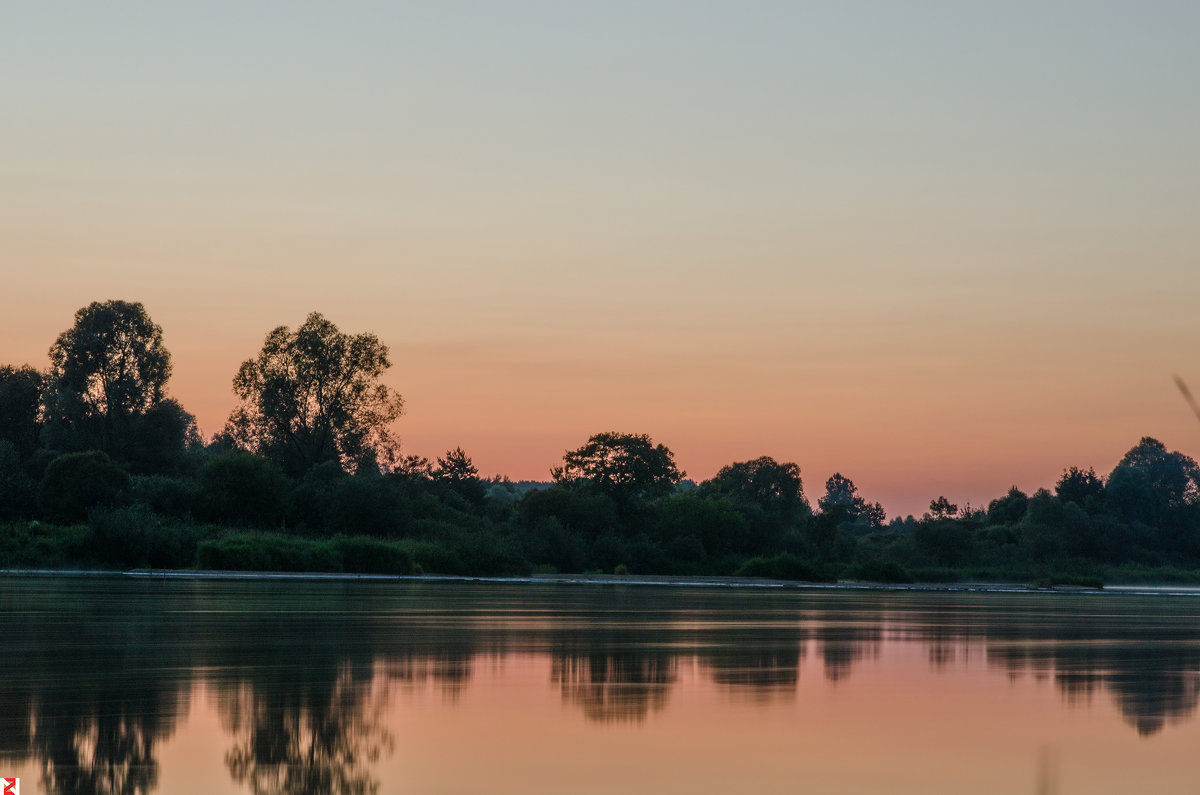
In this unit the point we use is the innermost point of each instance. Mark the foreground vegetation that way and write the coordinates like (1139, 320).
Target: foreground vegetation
(99, 467)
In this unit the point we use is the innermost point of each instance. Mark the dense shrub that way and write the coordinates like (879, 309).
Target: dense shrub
(75, 483)
(165, 495)
(273, 552)
(134, 537)
(17, 489)
(431, 558)
(782, 567)
(1008, 509)
(360, 505)
(887, 571)
(267, 552)
(720, 524)
(371, 556)
(582, 511)
(1075, 580)
(548, 542)
(936, 574)
(946, 541)
(483, 554)
(686, 552)
(240, 489)
(37, 545)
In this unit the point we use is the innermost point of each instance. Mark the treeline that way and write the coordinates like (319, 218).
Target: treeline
(99, 466)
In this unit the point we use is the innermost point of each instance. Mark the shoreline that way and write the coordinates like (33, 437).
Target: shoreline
(611, 579)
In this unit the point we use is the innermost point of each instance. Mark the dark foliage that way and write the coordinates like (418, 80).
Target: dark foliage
(775, 488)
(623, 466)
(841, 494)
(20, 408)
(135, 537)
(313, 395)
(1085, 489)
(309, 458)
(246, 552)
(75, 483)
(1008, 509)
(17, 490)
(886, 571)
(240, 489)
(106, 390)
(782, 567)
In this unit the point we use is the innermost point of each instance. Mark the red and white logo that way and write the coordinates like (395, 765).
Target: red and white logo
(10, 786)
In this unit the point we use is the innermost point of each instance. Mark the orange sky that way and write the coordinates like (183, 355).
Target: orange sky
(938, 252)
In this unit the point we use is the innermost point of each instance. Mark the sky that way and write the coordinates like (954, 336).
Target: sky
(941, 248)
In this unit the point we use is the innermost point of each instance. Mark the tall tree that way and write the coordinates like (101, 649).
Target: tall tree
(841, 493)
(1174, 476)
(456, 467)
(622, 465)
(20, 404)
(460, 474)
(1078, 486)
(776, 488)
(1159, 488)
(313, 395)
(107, 384)
(942, 508)
(1009, 509)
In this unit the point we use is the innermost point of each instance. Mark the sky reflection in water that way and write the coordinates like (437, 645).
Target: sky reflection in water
(121, 686)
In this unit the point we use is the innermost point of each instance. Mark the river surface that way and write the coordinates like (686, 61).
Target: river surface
(124, 685)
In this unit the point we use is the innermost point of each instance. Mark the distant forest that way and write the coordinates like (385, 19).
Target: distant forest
(100, 467)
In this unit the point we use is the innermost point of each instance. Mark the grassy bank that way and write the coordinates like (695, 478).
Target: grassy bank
(132, 539)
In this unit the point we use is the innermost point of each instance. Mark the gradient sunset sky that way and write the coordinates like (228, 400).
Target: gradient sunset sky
(943, 248)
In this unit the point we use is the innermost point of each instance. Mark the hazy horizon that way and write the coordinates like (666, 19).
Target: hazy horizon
(942, 250)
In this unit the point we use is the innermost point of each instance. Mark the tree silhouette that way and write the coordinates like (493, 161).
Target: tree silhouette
(840, 491)
(942, 508)
(107, 388)
(1078, 486)
(20, 408)
(623, 465)
(458, 472)
(310, 737)
(313, 395)
(774, 487)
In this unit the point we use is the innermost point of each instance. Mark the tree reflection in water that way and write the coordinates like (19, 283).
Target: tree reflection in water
(1149, 700)
(104, 743)
(758, 665)
(449, 671)
(99, 672)
(615, 686)
(90, 687)
(1151, 684)
(1148, 661)
(843, 645)
(320, 736)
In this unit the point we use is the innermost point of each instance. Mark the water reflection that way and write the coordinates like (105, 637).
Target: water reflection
(450, 672)
(1148, 661)
(89, 691)
(844, 645)
(621, 686)
(101, 672)
(1152, 685)
(757, 666)
(320, 735)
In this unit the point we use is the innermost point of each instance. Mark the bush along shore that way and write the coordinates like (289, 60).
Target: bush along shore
(99, 467)
(238, 511)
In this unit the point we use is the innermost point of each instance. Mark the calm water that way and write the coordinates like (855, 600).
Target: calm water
(130, 686)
